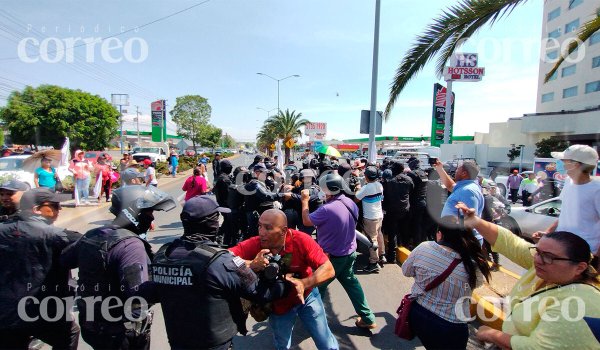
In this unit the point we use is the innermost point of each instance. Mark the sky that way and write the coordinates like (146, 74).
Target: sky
(216, 48)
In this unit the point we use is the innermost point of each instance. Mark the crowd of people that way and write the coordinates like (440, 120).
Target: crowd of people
(274, 268)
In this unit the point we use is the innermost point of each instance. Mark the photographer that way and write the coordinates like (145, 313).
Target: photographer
(308, 261)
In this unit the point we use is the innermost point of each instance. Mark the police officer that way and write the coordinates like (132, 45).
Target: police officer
(30, 275)
(200, 285)
(113, 262)
(235, 202)
(257, 199)
(199, 225)
(221, 191)
(293, 201)
(418, 200)
(10, 196)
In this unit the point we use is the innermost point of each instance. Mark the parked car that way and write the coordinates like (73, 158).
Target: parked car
(538, 217)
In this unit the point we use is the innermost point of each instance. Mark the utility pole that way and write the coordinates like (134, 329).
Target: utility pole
(373, 119)
(137, 119)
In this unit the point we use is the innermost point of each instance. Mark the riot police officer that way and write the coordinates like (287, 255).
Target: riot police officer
(113, 262)
(10, 196)
(257, 199)
(199, 285)
(31, 277)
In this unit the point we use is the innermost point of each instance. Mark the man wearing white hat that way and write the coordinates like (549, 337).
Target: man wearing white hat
(580, 209)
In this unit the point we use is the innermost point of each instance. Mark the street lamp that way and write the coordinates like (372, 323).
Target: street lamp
(278, 80)
(268, 112)
(521, 158)
(120, 100)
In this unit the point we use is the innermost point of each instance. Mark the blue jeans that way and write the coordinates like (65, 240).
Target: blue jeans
(312, 314)
(82, 186)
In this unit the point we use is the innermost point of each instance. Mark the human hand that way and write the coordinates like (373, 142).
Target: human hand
(537, 235)
(485, 334)
(305, 195)
(470, 218)
(260, 261)
(298, 285)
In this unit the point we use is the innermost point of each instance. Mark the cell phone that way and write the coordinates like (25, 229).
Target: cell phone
(461, 218)
(433, 161)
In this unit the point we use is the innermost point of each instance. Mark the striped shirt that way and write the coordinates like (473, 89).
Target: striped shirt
(425, 263)
(371, 196)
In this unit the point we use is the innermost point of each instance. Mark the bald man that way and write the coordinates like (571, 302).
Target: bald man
(305, 265)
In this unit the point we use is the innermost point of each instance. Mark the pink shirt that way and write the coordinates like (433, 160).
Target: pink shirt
(194, 186)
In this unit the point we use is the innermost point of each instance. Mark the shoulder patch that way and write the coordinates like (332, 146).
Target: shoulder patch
(239, 262)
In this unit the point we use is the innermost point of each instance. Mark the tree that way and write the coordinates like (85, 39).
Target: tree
(210, 135)
(449, 31)
(227, 141)
(513, 153)
(550, 144)
(192, 115)
(286, 125)
(47, 114)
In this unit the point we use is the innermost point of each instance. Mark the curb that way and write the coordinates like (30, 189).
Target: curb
(494, 317)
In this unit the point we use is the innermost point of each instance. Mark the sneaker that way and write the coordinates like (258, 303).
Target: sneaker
(382, 260)
(371, 268)
(362, 324)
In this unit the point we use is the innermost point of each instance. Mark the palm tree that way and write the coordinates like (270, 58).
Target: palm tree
(456, 25)
(266, 136)
(287, 126)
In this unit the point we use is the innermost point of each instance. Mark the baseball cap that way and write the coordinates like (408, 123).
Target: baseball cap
(37, 196)
(14, 185)
(130, 174)
(371, 173)
(201, 206)
(147, 161)
(579, 153)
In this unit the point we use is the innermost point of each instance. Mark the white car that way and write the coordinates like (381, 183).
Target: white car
(537, 217)
(12, 166)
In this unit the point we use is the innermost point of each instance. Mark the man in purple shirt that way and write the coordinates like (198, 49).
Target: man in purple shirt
(336, 222)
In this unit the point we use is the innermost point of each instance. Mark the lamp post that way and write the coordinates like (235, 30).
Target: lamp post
(120, 100)
(521, 158)
(278, 80)
(268, 112)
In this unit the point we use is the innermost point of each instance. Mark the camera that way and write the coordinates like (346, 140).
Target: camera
(274, 268)
(432, 161)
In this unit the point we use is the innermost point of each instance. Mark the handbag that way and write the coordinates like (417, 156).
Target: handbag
(403, 328)
(58, 187)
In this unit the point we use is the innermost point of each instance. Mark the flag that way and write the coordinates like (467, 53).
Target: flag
(64, 153)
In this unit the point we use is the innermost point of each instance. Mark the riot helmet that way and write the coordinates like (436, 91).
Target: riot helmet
(133, 206)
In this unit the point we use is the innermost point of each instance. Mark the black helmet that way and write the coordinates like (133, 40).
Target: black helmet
(129, 202)
(332, 182)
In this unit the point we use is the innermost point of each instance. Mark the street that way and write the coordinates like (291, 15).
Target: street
(383, 290)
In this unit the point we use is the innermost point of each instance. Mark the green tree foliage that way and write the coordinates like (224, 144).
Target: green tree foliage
(210, 136)
(513, 153)
(452, 28)
(191, 114)
(286, 126)
(550, 144)
(46, 114)
(227, 141)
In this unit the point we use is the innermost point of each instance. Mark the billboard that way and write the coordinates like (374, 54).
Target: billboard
(158, 115)
(315, 131)
(439, 115)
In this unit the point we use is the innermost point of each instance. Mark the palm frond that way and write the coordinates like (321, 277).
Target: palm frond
(455, 25)
(585, 32)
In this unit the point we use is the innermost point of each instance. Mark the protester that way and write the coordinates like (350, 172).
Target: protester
(543, 314)
(133, 164)
(174, 164)
(216, 165)
(150, 174)
(103, 170)
(82, 170)
(371, 196)
(125, 161)
(336, 234)
(11, 192)
(439, 316)
(513, 183)
(29, 249)
(194, 185)
(580, 196)
(308, 262)
(45, 176)
(527, 187)
(464, 188)
(113, 262)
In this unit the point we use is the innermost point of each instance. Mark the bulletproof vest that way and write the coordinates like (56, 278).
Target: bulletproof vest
(420, 179)
(314, 202)
(194, 317)
(257, 201)
(95, 278)
(235, 200)
(396, 194)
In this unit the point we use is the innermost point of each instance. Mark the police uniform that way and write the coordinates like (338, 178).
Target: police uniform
(199, 287)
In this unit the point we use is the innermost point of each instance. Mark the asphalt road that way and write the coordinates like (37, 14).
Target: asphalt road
(383, 291)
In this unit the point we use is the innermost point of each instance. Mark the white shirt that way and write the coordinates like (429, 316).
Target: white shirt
(580, 211)
(150, 171)
(371, 196)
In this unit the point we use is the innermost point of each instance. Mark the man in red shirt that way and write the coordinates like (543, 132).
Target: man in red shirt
(302, 257)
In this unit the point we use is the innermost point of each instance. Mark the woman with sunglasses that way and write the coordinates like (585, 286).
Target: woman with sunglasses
(556, 303)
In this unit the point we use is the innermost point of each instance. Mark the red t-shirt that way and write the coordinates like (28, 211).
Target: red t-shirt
(198, 188)
(307, 256)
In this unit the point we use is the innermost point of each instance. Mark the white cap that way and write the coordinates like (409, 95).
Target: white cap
(579, 153)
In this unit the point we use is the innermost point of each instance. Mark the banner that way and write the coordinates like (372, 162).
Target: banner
(439, 114)
(311, 129)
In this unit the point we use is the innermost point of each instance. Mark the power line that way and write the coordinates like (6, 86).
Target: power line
(126, 31)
